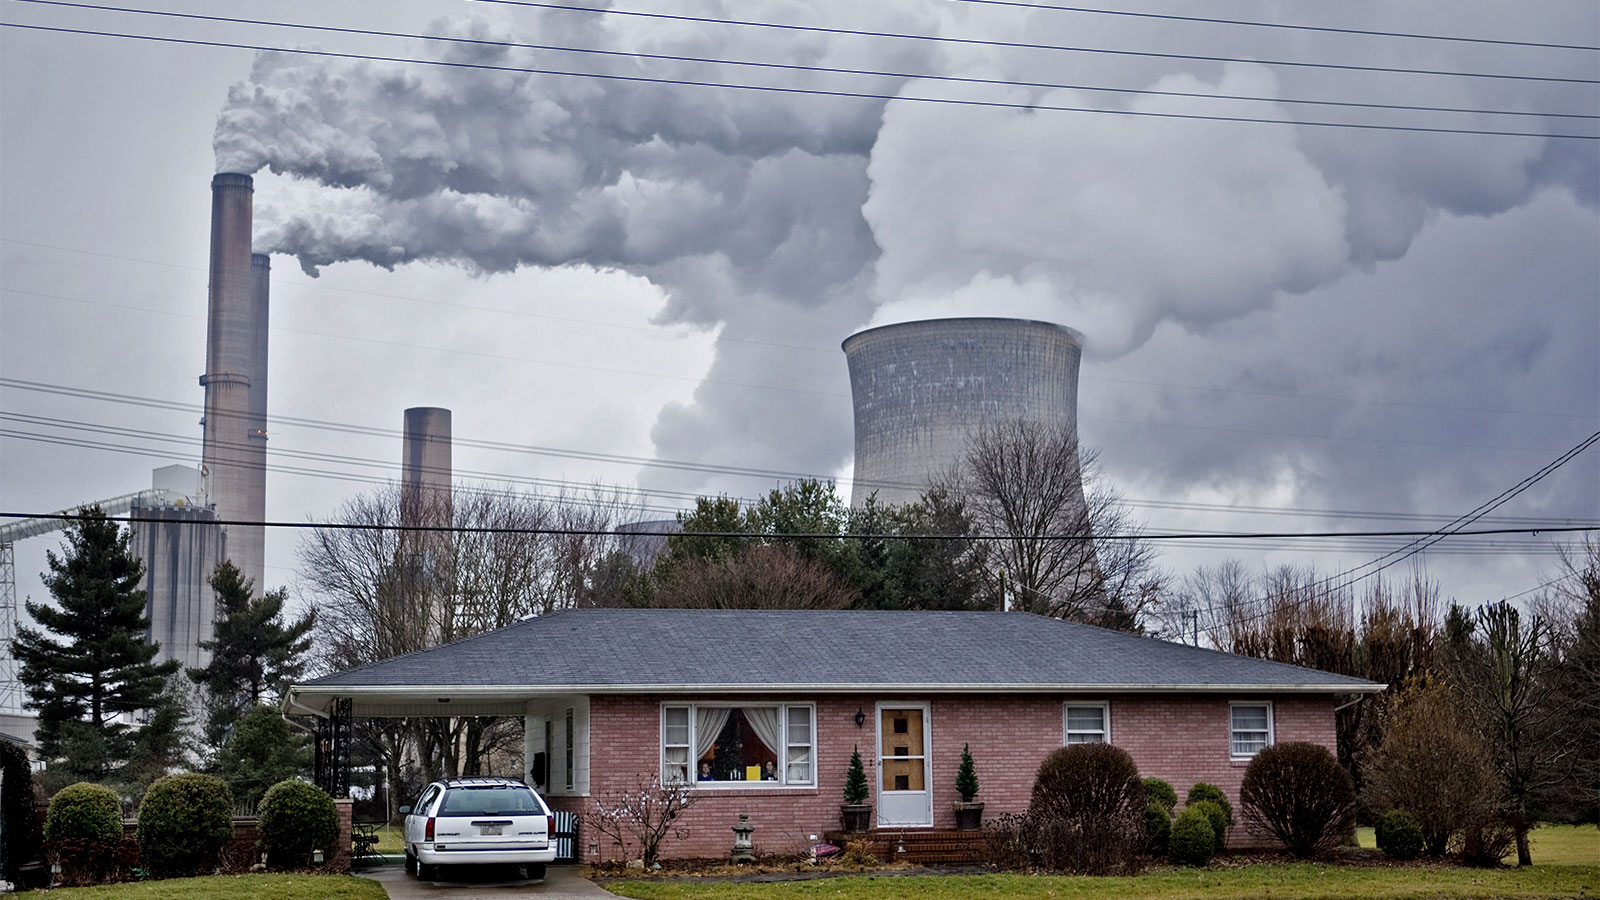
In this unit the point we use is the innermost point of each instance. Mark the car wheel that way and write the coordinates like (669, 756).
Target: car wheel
(535, 871)
(411, 863)
(426, 872)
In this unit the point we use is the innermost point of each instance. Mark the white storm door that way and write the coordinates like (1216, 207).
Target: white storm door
(905, 795)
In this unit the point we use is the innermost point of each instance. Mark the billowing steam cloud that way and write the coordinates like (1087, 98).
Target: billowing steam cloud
(760, 212)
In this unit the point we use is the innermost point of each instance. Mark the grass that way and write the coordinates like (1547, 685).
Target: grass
(229, 887)
(1556, 845)
(1278, 881)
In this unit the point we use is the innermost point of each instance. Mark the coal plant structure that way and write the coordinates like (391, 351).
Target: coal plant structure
(921, 388)
(425, 469)
(234, 454)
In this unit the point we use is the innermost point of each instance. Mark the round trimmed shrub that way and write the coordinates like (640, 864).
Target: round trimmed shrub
(1400, 835)
(184, 822)
(1214, 794)
(1193, 839)
(295, 818)
(1157, 828)
(84, 825)
(1218, 817)
(1086, 814)
(1159, 790)
(1299, 792)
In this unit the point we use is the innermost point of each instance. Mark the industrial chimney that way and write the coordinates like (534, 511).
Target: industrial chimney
(234, 451)
(920, 388)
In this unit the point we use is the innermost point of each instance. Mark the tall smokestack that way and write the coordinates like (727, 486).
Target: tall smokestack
(235, 471)
(425, 468)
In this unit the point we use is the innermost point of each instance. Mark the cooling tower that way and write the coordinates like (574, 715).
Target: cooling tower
(234, 453)
(180, 550)
(920, 388)
(425, 468)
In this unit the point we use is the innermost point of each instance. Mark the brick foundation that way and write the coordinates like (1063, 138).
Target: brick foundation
(1181, 738)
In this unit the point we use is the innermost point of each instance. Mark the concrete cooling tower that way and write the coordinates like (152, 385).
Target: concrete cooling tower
(920, 388)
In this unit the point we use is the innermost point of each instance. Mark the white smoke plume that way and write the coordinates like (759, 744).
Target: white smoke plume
(758, 212)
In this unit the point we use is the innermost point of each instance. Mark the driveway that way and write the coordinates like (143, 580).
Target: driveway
(560, 883)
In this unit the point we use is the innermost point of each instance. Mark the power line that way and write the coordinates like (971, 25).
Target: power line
(744, 535)
(1024, 45)
(658, 332)
(767, 474)
(834, 70)
(1280, 25)
(795, 91)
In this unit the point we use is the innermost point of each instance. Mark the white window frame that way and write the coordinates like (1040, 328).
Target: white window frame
(1232, 731)
(784, 744)
(1105, 720)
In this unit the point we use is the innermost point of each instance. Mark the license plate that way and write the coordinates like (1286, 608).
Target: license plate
(492, 829)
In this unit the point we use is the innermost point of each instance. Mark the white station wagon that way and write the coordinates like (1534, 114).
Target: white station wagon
(478, 821)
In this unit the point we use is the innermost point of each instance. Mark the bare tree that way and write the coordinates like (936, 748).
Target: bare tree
(646, 812)
(1505, 670)
(1026, 480)
(758, 577)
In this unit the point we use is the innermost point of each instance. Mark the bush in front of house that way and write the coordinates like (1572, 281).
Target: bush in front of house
(1087, 810)
(1399, 835)
(184, 822)
(1218, 817)
(1157, 828)
(84, 827)
(1299, 793)
(21, 843)
(295, 818)
(1193, 837)
(1159, 790)
(1213, 794)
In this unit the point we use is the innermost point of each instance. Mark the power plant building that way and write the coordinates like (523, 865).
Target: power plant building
(180, 551)
(921, 388)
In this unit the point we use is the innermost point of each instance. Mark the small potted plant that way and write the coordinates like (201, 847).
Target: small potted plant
(855, 816)
(969, 815)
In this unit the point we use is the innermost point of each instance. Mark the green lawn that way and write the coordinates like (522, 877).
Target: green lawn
(1277, 881)
(229, 887)
(1560, 845)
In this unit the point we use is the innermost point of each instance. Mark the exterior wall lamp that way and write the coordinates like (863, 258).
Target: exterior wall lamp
(861, 717)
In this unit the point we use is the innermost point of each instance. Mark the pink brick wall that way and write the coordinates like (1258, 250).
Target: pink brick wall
(1181, 739)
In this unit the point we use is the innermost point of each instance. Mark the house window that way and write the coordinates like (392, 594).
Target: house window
(718, 744)
(569, 749)
(1250, 728)
(1088, 723)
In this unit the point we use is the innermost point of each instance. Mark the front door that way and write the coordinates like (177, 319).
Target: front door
(905, 795)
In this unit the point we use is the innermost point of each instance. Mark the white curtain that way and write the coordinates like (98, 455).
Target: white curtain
(764, 722)
(708, 723)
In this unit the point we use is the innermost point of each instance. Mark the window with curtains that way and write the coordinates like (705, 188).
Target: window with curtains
(750, 745)
(1250, 728)
(1087, 723)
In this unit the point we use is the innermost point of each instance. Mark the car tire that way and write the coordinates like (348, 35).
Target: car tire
(535, 871)
(426, 872)
(411, 863)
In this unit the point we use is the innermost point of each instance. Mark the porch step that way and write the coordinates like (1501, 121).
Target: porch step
(923, 846)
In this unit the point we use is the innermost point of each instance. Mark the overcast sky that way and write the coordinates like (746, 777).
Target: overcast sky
(1312, 320)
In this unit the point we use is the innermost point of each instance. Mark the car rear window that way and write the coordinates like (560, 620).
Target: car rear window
(489, 801)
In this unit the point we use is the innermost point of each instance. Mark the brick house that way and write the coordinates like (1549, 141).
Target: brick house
(759, 710)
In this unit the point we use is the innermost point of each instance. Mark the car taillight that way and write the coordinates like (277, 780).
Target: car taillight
(549, 826)
(427, 832)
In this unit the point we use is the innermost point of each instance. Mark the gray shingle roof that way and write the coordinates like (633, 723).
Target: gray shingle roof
(676, 649)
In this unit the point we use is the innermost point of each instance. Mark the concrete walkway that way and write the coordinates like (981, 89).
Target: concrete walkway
(560, 883)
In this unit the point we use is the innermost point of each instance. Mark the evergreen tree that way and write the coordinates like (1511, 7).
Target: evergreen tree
(90, 664)
(261, 751)
(253, 652)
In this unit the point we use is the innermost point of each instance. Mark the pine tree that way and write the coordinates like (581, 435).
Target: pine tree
(855, 783)
(253, 653)
(966, 776)
(260, 752)
(101, 667)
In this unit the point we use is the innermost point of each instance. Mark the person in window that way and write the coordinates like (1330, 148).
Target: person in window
(705, 772)
(769, 771)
